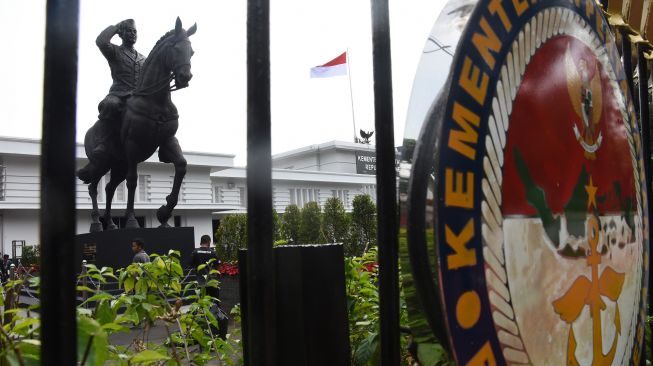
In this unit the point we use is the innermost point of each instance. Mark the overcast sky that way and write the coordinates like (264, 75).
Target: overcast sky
(304, 33)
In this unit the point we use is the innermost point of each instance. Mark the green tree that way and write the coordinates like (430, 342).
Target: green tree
(231, 235)
(290, 222)
(363, 224)
(310, 228)
(276, 226)
(336, 221)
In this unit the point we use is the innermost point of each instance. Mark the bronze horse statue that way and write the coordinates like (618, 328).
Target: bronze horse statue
(150, 121)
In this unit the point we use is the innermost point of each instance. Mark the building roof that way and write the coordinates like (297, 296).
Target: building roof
(301, 175)
(331, 145)
(32, 147)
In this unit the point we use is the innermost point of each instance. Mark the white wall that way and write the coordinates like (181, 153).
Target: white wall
(201, 221)
(19, 225)
(329, 160)
(22, 179)
(338, 161)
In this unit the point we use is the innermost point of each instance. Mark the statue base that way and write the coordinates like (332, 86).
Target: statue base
(112, 248)
(96, 227)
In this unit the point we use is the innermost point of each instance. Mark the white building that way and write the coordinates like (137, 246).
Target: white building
(212, 188)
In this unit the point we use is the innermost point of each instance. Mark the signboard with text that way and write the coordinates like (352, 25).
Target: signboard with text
(365, 162)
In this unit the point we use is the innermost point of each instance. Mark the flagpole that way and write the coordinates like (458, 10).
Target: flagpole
(351, 95)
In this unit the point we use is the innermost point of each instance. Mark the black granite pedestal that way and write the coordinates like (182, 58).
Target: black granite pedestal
(112, 248)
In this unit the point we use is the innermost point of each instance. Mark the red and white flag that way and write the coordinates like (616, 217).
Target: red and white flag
(335, 67)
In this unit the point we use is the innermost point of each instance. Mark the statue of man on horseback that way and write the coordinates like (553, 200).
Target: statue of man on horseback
(137, 118)
(125, 64)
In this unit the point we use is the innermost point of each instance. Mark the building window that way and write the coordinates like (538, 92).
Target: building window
(293, 199)
(302, 196)
(3, 182)
(217, 194)
(342, 195)
(120, 192)
(243, 196)
(143, 185)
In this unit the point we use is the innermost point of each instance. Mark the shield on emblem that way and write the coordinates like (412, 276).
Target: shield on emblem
(532, 165)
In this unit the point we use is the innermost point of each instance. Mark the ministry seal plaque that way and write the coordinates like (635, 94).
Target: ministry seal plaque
(540, 192)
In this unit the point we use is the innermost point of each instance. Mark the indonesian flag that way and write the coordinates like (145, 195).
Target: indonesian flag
(335, 67)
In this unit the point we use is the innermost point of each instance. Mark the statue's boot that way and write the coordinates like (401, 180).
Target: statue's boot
(102, 150)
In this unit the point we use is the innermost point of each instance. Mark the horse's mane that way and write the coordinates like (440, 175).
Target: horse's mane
(157, 47)
(163, 38)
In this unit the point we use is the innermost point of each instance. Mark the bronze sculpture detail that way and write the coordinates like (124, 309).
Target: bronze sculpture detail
(145, 119)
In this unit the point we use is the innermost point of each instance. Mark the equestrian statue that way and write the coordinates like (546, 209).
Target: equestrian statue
(137, 117)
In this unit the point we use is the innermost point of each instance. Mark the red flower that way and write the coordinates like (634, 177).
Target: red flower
(229, 269)
(371, 266)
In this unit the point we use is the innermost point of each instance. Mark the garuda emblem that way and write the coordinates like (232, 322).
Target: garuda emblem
(587, 100)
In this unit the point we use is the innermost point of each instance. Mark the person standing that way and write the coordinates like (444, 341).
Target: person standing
(203, 255)
(4, 266)
(138, 247)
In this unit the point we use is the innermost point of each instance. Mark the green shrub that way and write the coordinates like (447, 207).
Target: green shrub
(290, 222)
(30, 255)
(336, 221)
(363, 225)
(230, 236)
(151, 292)
(310, 228)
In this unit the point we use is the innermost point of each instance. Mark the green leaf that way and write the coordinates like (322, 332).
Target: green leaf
(115, 327)
(25, 324)
(128, 284)
(159, 263)
(110, 275)
(141, 286)
(128, 317)
(175, 286)
(148, 356)
(89, 330)
(34, 281)
(84, 311)
(103, 313)
(30, 349)
(84, 288)
(366, 350)
(432, 354)
(176, 269)
(99, 297)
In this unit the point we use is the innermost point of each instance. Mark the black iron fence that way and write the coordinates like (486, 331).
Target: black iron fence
(58, 217)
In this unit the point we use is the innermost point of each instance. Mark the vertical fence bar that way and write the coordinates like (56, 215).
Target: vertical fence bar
(58, 329)
(386, 185)
(645, 123)
(260, 261)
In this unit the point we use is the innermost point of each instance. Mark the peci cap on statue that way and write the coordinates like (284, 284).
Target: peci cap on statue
(127, 23)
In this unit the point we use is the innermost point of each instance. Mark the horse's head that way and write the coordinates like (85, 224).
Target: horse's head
(178, 58)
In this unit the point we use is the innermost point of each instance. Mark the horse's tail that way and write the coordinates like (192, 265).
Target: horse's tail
(86, 174)
(92, 171)
(91, 140)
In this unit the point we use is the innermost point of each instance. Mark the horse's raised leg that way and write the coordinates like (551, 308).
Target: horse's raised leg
(96, 225)
(117, 176)
(132, 182)
(170, 152)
